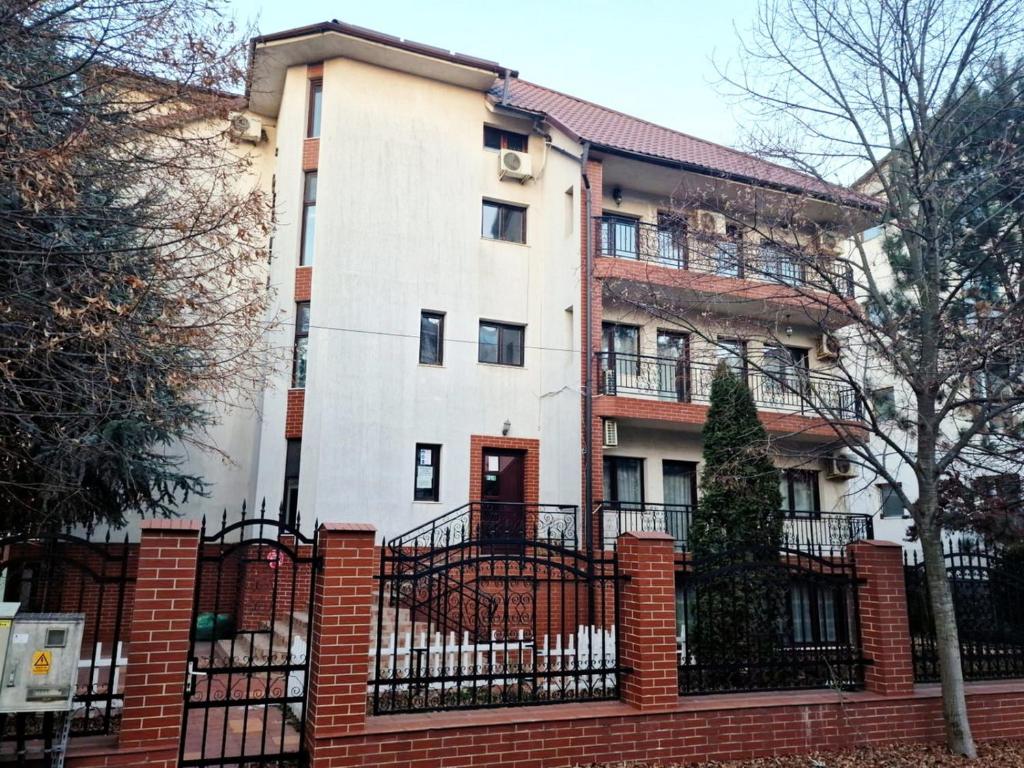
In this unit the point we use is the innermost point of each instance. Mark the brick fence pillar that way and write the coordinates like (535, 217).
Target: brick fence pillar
(340, 643)
(647, 620)
(158, 647)
(884, 627)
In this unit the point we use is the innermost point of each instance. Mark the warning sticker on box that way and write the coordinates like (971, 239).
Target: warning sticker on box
(41, 662)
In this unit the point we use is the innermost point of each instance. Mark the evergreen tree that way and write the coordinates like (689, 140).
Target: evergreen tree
(739, 599)
(131, 258)
(740, 500)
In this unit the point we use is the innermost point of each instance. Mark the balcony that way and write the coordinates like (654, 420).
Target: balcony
(790, 389)
(813, 531)
(677, 248)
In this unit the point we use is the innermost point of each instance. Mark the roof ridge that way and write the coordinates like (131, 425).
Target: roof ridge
(739, 153)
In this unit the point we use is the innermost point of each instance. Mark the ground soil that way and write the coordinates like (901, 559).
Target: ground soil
(1006, 754)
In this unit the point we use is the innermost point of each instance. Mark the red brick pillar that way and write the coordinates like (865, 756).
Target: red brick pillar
(884, 627)
(158, 649)
(340, 644)
(647, 620)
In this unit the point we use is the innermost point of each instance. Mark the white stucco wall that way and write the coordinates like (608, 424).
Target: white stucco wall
(402, 174)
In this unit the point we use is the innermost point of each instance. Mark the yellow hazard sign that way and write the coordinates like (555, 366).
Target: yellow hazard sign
(41, 662)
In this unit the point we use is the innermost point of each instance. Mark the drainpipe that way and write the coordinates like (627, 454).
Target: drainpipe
(588, 353)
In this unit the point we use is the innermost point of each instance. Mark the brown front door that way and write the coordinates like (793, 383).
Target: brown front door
(502, 511)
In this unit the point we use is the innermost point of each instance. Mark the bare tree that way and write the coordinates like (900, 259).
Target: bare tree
(132, 253)
(926, 99)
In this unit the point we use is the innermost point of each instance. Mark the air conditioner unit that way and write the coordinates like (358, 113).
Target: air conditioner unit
(828, 347)
(840, 467)
(244, 128)
(514, 165)
(611, 433)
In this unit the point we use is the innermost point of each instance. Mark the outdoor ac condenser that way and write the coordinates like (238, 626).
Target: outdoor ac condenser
(40, 659)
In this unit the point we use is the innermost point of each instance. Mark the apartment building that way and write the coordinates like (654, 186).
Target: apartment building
(495, 291)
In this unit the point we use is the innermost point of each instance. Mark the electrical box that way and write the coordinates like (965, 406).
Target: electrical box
(40, 659)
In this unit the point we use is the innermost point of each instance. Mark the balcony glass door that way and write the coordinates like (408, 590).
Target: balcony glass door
(620, 363)
(799, 489)
(679, 486)
(623, 495)
(787, 376)
(672, 230)
(619, 237)
(673, 366)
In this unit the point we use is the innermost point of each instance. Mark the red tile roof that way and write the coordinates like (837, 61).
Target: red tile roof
(608, 128)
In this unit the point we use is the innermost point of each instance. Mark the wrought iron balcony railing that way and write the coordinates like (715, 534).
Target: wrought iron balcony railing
(785, 388)
(678, 248)
(811, 531)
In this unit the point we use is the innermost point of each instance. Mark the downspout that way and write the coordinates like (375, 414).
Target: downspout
(588, 354)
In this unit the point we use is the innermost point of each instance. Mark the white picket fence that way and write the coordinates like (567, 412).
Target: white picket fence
(413, 653)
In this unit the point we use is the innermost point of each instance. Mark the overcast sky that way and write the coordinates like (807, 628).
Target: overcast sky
(650, 58)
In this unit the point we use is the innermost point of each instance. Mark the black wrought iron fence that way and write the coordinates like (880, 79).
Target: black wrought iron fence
(63, 572)
(674, 246)
(813, 531)
(473, 616)
(754, 619)
(988, 596)
(784, 388)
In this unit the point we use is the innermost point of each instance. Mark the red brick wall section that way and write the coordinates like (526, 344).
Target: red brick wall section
(695, 414)
(303, 283)
(310, 154)
(294, 412)
(884, 628)
(647, 621)
(591, 325)
(729, 727)
(158, 651)
(340, 644)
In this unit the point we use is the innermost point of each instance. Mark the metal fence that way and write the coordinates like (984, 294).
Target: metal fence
(62, 572)
(471, 615)
(755, 619)
(674, 246)
(815, 531)
(785, 388)
(988, 596)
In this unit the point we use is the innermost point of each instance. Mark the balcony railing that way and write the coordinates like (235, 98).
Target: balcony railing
(825, 532)
(787, 388)
(678, 248)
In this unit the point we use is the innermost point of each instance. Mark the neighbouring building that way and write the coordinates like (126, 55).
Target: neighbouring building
(461, 257)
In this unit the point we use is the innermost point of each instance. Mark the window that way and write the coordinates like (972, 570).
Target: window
(427, 484)
(301, 345)
(316, 100)
(308, 219)
(892, 505)
(503, 222)
(293, 456)
(431, 338)
(623, 480)
(819, 614)
(501, 344)
(496, 138)
(799, 489)
(733, 353)
(883, 402)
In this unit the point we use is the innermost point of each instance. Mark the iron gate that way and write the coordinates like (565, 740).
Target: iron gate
(245, 697)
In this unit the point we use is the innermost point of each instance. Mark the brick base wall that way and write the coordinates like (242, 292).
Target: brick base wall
(697, 729)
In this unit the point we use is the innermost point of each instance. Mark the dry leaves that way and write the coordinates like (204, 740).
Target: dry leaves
(1006, 754)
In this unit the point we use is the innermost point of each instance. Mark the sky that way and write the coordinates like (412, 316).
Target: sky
(649, 58)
